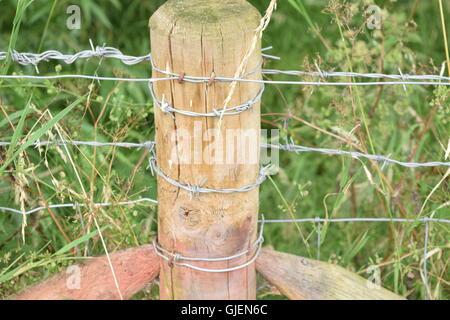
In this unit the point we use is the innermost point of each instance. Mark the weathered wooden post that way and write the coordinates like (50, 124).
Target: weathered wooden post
(209, 39)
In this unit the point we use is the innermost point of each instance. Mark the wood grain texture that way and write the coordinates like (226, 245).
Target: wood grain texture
(134, 268)
(199, 37)
(304, 279)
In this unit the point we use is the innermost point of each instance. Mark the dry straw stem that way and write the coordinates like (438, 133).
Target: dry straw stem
(92, 215)
(444, 31)
(258, 35)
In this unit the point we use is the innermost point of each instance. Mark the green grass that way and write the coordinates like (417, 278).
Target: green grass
(412, 125)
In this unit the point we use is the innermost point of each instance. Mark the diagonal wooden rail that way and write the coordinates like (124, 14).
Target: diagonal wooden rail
(134, 268)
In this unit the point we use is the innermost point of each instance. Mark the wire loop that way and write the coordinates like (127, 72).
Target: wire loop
(167, 108)
(176, 259)
(198, 189)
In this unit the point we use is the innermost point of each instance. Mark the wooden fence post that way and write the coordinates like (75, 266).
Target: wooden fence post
(207, 38)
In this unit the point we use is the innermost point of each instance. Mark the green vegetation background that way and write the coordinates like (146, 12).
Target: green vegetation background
(411, 124)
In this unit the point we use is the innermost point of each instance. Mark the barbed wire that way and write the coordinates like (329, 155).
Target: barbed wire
(167, 108)
(86, 77)
(329, 74)
(196, 190)
(175, 258)
(316, 220)
(326, 220)
(28, 58)
(405, 78)
(76, 204)
(147, 144)
(354, 154)
(285, 147)
(266, 221)
(223, 79)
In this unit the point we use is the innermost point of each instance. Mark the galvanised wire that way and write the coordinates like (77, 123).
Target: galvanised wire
(323, 220)
(405, 78)
(354, 154)
(330, 74)
(196, 190)
(74, 205)
(109, 52)
(28, 58)
(147, 144)
(224, 79)
(285, 147)
(176, 258)
(167, 108)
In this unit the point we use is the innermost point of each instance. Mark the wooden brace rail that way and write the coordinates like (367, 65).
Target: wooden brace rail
(296, 277)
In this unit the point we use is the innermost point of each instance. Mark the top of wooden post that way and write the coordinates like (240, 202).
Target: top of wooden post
(194, 17)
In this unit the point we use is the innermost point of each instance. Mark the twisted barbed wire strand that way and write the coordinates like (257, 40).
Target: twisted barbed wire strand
(198, 189)
(147, 144)
(354, 154)
(174, 258)
(224, 79)
(74, 205)
(323, 220)
(405, 78)
(27, 58)
(286, 147)
(345, 74)
(167, 108)
(270, 221)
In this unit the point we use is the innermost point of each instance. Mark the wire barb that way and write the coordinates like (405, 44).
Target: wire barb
(196, 190)
(148, 144)
(78, 205)
(27, 58)
(379, 158)
(289, 147)
(165, 107)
